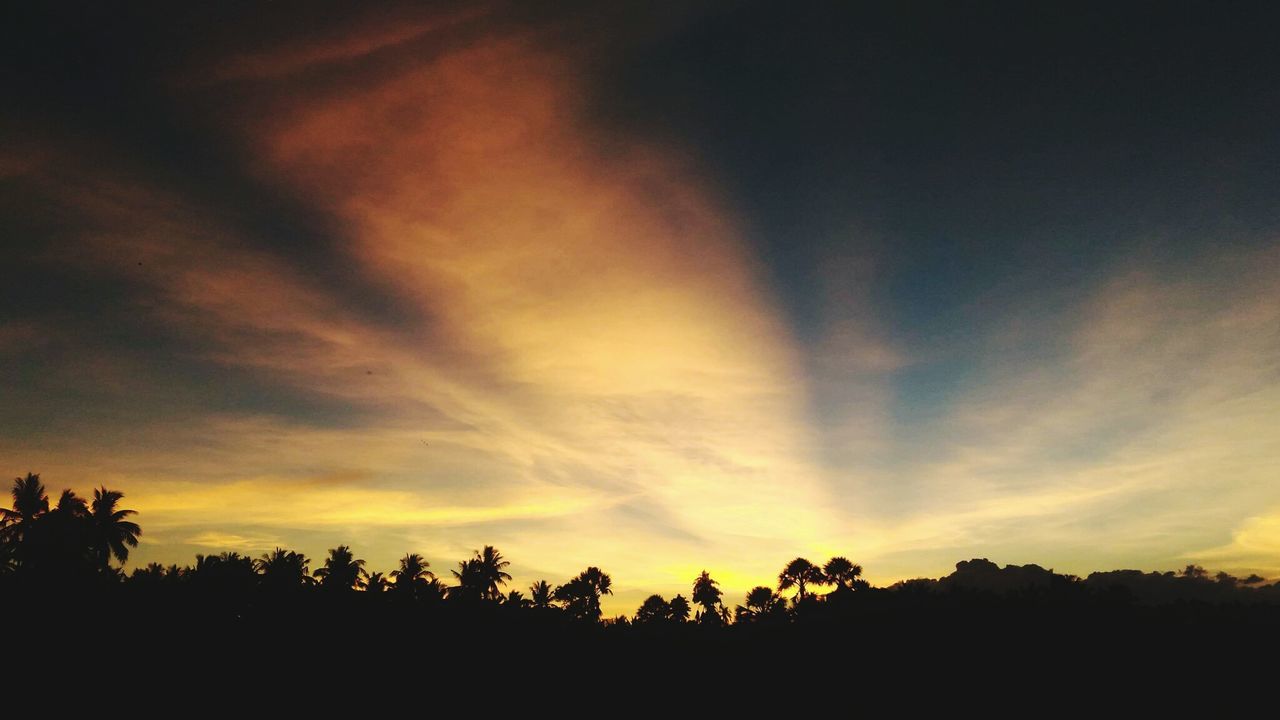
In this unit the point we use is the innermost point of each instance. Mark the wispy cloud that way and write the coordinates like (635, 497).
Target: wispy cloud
(1254, 547)
(577, 358)
(1146, 432)
(594, 341)
(224, 541)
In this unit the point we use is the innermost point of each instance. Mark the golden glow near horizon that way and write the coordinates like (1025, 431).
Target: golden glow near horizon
(597, 374)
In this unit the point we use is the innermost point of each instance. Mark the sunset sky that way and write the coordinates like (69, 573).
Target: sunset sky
(652, 290)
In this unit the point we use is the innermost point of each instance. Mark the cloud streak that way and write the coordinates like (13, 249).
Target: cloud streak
(1136, 437)
(537, 332)
(596, 345)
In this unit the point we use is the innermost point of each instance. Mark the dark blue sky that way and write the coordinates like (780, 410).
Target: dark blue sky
(974, 146)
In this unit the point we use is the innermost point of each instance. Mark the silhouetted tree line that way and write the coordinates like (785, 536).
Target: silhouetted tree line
(82, 545)
(72, 539)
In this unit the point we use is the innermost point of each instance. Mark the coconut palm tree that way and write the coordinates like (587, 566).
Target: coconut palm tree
(20, 544)
(30, 501)
(284, 569)
(706, 594)
(480, 577)
(341, 570)
(581, 595)
(63, 539)
(800, 573)
(376, 583)
(679, 609)
(412, 575)
(491, 571)
(111, 535)
(599, 580)
(229, 572)
(761, 603)
(579, 599)
(71, 504)
(432, 590)
(541, 594)
(842, 573)
(152, 576)
(470, 586)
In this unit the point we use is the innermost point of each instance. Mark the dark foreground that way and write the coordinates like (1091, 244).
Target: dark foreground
(978, 650)
(233, 634)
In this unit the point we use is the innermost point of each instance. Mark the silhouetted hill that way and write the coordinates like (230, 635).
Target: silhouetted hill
(1193, 584)
(983, 575)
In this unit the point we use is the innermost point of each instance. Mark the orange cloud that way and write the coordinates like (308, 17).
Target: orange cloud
(606, 287)
(600, 367)
(587, 367)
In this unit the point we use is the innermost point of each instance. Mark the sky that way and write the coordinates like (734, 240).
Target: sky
(657, 288)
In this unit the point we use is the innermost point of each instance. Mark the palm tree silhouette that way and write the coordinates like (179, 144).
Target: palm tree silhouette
(284, 569)
(64, 542)
(679, 609)
(581, 595)
(412, 576)
(152, 575)
(341, 570)
(761, 603)
(799, 573)
(470, 586)
(491, 571)
(432, 590)
(29, 502)
(229, 572)
(376, 583)
(845, 575)
(706, 594)
(480, 577)
(599, 580)
(541, 594)
(71, 504)
(111, 534)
